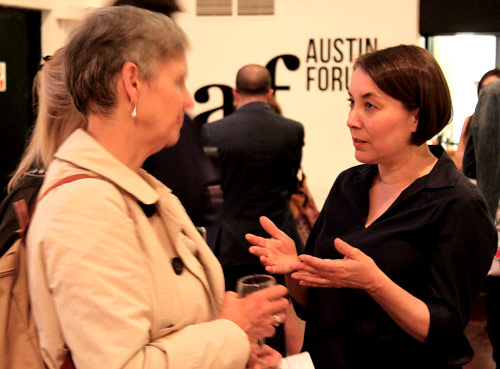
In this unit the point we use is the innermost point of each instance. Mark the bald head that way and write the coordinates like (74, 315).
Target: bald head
(253, 79)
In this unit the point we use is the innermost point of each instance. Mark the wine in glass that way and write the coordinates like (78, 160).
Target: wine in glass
(252, 283)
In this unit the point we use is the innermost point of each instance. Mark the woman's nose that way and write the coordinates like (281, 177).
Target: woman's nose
(352, 118)
(188, 100)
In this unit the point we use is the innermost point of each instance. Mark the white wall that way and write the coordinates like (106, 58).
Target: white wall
(463, 73)
(221, 45)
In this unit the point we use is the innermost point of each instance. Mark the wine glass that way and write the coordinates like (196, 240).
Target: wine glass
(252, 283)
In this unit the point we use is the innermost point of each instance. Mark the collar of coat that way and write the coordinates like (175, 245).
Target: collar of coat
(82, 150)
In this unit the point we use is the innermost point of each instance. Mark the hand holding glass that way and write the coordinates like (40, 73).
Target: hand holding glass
(252, 283)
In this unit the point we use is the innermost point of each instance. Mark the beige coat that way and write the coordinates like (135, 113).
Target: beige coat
(101, 274)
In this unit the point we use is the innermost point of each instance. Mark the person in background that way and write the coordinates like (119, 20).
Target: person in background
(488, 77)
(482, 157)
(294, 326)
(394, 263)
(118, 274)
(259, 154)
(184, 167)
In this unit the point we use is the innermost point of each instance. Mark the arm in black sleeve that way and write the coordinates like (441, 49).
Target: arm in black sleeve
(296, 160)
(469, 159)
(465, 244)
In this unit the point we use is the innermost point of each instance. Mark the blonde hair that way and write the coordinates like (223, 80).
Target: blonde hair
(57, 118)
(108, 38)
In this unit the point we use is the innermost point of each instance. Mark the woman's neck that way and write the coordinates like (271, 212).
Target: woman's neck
(416, 163)
(393, 179)
(116, 134)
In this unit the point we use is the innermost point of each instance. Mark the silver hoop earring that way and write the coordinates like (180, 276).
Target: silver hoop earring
(134, 112)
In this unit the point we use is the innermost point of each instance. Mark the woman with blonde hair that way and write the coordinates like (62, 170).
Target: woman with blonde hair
(118, 274)
(57, 118)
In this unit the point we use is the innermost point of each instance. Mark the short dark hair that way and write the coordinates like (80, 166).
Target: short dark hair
(167, 7)
(411, 75)
(493, 72)
(253, 79)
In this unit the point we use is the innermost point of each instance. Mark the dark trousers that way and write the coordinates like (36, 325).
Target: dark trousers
(493, 315)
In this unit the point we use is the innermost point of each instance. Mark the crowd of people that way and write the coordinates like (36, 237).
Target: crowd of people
(121, 274)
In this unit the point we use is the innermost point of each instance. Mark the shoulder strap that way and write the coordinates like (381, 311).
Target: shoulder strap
(22, 215)
(65, 180)
(21, 208)
(23, 218)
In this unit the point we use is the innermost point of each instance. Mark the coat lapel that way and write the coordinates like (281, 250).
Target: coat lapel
(202, 264)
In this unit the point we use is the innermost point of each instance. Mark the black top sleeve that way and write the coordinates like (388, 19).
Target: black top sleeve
(469, 159)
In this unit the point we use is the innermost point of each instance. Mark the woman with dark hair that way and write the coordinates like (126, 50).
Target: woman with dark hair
(490, 76)
(118, 274)
(403, 243)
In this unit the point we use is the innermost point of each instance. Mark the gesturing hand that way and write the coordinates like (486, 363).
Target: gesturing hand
(277, 253)
(355, 270)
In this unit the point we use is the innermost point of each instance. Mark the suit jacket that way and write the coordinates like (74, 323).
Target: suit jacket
(259, 154)
(102, 276)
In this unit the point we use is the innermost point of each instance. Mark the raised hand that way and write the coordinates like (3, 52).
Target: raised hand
(277, 253)
(256, 313)
(355, 270)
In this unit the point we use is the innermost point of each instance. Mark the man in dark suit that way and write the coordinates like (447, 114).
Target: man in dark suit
(259, 154)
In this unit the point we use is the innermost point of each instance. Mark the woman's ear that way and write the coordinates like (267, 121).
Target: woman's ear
(130, 77)
(415, 121)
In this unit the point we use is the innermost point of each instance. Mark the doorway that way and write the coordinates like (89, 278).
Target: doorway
(464, 58)
(20, 54)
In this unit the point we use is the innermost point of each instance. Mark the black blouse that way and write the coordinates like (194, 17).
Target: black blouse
(436, 241)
